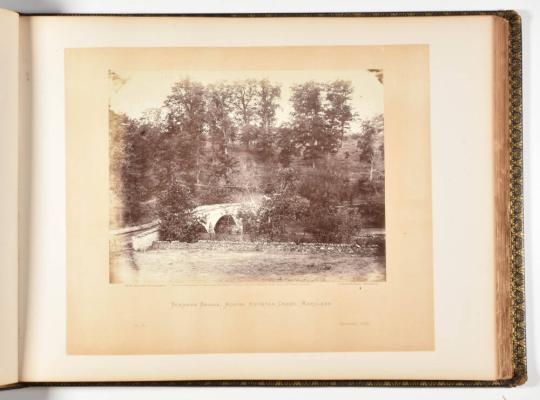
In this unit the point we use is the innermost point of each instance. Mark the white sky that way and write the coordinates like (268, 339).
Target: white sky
(143, 90)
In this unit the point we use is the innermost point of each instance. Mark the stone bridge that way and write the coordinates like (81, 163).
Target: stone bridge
(141, 237)
(214, 214)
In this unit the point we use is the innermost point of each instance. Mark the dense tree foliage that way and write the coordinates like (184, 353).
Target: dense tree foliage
(186, 120)
(222, 142)
(178, 221)
(129, 165)
(321, 116)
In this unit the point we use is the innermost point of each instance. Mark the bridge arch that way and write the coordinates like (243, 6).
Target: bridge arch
(228, 223)
(216, 215)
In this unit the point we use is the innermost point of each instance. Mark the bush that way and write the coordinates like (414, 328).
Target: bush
(277, 212)
(332, 224)
(274, 216)
(373, 215)
(250, 222)
(178, 221)
(323, 224)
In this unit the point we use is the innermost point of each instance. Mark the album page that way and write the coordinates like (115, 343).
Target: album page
(313, 201)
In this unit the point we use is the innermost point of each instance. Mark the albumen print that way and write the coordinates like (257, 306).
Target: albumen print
(246, 176)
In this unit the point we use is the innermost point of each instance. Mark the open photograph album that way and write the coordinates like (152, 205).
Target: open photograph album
(302, 199)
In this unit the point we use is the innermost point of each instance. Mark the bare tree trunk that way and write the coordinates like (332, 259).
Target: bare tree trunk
(371, 169)
(197, 156)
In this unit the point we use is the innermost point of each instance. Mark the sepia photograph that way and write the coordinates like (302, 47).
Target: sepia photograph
(246, 176)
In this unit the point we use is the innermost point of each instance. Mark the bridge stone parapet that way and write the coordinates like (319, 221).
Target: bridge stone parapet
(142, 237)
(134, 236)
(144, 240)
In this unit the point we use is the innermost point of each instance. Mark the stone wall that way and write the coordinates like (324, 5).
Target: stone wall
(372, 244)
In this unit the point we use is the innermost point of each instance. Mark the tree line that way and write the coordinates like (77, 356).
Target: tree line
(191, 144)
